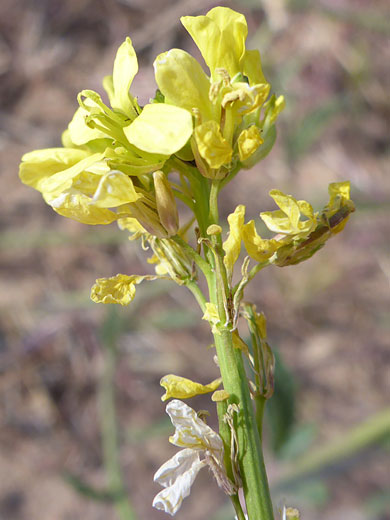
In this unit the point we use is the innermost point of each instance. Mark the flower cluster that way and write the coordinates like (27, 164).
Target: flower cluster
(116, 158)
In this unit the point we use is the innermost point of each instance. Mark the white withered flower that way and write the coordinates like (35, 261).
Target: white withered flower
(202, 447)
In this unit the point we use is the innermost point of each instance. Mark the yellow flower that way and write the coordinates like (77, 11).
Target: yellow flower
(331, 221)
(183, 388)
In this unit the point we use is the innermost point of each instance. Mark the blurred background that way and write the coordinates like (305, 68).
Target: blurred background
(73, 373)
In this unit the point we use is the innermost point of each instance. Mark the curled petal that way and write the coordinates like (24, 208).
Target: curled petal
(183, 388)
(191, 431)
(177, 476)
(76, 205)
(258, 248)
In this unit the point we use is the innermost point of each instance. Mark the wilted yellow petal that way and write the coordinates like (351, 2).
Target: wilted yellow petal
(232, 245)
(182, 81)
(160, 129)
(77, 206)
(115, 188)
(248, 142)
(220, 36)
(212, 146)
(182, 388)
(117, 289)
(211, 315)
(257, 248)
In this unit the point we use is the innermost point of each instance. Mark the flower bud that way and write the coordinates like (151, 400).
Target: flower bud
(166, 203)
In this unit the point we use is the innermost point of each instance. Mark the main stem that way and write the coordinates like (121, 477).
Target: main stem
(250, 455)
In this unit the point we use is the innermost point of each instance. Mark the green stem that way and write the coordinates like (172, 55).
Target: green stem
(197, 292)
(250, 456)
(110, 436)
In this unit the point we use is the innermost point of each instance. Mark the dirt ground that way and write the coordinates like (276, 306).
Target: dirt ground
(328, 318)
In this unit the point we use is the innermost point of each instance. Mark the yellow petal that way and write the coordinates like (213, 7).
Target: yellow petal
(125, 68)
(212, 146)
(211, 315)
(338, 191)
(248, 142)
(232, 245)
(79, 132)
(219, 396)
(182, 388)
(287, 220)
(182, 81)
(220, 36)
(77, 206)
(115, 188)
(38, 165)
(252, 67)
(61, 181)
(160, 129)
(117, 289)
(257, 248)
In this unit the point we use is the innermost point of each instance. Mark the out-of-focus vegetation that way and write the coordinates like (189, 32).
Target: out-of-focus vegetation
(328, 318)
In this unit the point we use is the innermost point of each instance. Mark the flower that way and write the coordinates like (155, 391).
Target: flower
(179, 472)
(227, 105)
(100, 174)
